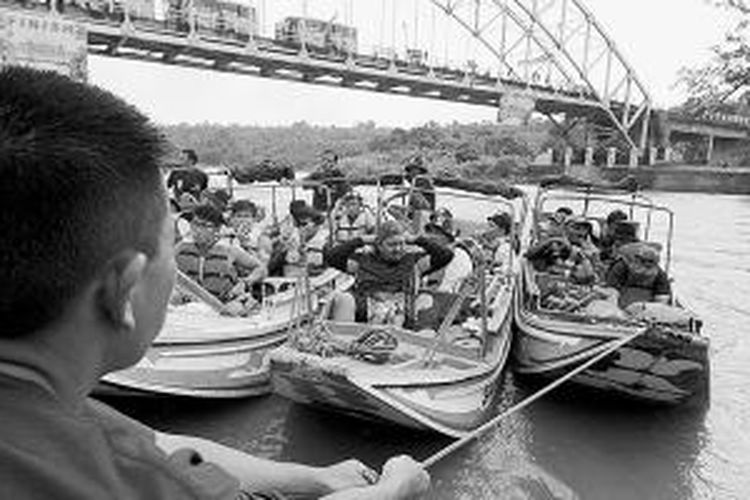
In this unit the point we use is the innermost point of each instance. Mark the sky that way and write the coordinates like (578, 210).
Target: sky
(657, 37)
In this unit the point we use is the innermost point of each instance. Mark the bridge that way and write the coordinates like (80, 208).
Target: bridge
(518, 56)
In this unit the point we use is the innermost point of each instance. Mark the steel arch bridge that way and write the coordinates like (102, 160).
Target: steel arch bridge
(548, 56)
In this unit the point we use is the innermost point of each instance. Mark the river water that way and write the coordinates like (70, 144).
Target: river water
(563, 446)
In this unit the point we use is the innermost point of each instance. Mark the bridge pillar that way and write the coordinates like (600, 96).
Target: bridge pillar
(611, 157)
(588, 156)
(710, 148)
(633, 158)
(652, 155)
(567, 157)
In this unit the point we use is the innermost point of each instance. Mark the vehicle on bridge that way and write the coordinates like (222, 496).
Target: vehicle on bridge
(232, 19)
(317, 35)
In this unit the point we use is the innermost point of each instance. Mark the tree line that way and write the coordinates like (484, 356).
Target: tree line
(480, 150)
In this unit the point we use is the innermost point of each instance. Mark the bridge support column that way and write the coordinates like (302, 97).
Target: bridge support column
(633, 158)
(710, 149)
(668, 154)
(652, 155)
(611, 157)
(567, 158)
(588, 156)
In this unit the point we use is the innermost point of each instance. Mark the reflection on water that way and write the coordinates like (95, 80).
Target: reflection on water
(565, 445)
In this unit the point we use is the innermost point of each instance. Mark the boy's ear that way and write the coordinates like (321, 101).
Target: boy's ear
(118, 280)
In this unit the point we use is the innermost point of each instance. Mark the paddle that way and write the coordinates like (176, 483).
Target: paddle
(186, 282)
(433, 459)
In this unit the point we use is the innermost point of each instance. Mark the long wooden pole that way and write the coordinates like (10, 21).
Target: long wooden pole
(433, 459)
(193, 288)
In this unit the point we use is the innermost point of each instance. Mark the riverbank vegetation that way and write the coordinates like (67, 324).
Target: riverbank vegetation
(485, 151)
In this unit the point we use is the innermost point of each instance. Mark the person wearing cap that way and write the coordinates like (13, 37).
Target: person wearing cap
(578, 230)
(351, 218)
(327, 181)
(213, 264)
(422, 196)
(385, 272)
(188, 182)
(637, 276)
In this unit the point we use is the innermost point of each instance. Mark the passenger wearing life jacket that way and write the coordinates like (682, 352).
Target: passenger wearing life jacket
(637, 276)
(299, 246)
(351, 218)
(385, 273)
(215, 265)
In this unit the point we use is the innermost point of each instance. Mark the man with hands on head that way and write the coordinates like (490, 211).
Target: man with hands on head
(385, 272)
(87, 266)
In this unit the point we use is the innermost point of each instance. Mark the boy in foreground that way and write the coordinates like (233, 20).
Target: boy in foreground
(87, 267)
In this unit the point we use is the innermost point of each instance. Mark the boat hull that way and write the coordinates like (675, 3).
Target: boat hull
(664, 365)
(452, 398)
(204, 355)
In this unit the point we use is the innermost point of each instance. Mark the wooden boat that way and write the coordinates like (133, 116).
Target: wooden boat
(200, 353)
(444, 382)
(666, 363)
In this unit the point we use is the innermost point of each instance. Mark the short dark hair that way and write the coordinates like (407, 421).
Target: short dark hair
(209, 213)
(80, 184)
(191, 155)
(616, 216)
(244, 206)
(564, 210)
(502, 220)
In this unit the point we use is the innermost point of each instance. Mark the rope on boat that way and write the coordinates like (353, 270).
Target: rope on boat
(433, 459)
(374, 345)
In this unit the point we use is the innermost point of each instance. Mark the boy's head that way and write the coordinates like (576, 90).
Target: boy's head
(189, 157)
(390, 241)
(501, 221)
(328, 158)
(352, 204)
(562, 214)
(83, 209)
(206, 224)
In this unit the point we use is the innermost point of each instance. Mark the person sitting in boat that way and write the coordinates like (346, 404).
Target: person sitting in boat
(247, 232)
(188, 182)
(622, 233)
(385, 273)
(637, 276)
(88, 269)
(450, 277)
(214, 264)
(352, 219)
(303, 242)
(578, 233)
(608, 230)
(555, 255)
(416, 174)
(328, 181)
(554, 225)
(496, 241)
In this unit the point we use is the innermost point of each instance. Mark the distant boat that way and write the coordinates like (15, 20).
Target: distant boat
(668, 363)
(444, 382)
(200, 353)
